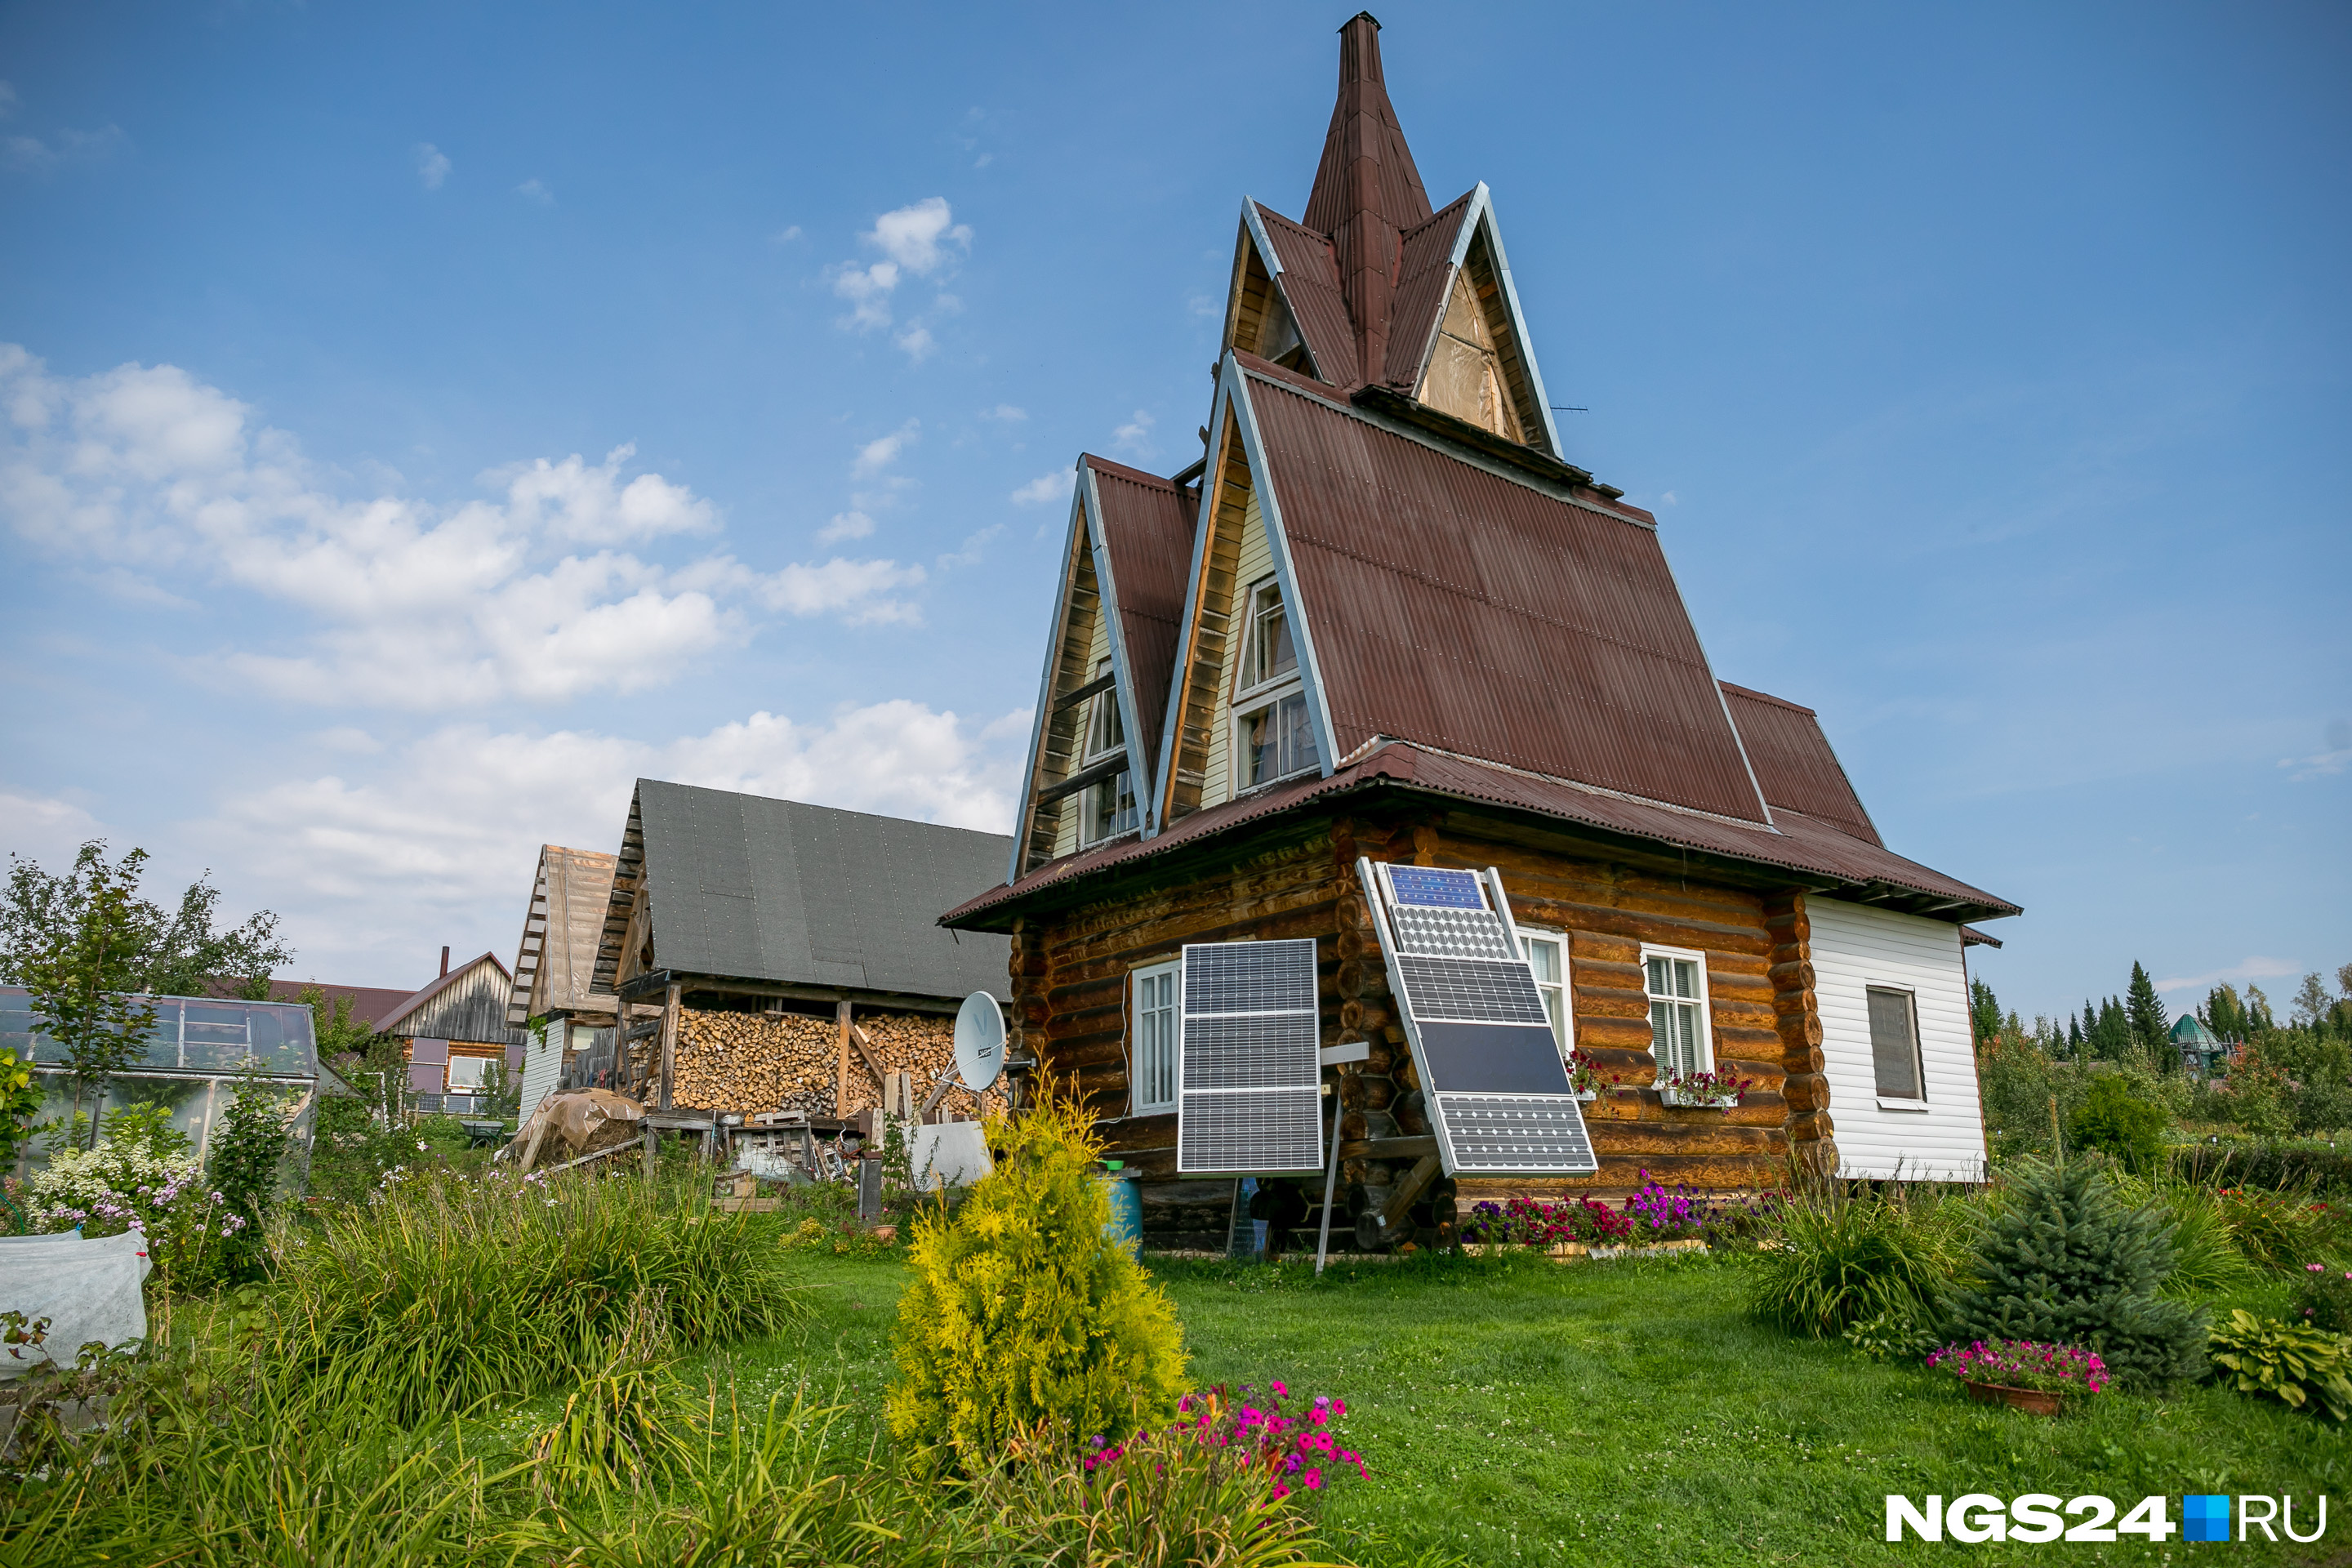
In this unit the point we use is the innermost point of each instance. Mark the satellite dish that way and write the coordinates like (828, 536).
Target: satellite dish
(979, 1041)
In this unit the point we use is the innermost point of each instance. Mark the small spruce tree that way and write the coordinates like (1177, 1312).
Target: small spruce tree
(1023, 1313)
(2066, 1263)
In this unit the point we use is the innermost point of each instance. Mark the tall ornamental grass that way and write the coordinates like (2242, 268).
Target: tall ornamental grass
(1839, 1259)
(443, 1292)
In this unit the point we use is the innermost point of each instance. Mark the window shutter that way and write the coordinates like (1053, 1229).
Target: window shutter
(1250, 1097)
(1490, 1065)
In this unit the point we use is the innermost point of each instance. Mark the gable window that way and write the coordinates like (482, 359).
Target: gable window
(1272, 735)
(1152, 1072)
(1895, 1044)
(1465, 370)
(1676, 980)
(1109, 807)
(1548, 957)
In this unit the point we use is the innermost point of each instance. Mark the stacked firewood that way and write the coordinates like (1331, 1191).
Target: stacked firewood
(791, 1061)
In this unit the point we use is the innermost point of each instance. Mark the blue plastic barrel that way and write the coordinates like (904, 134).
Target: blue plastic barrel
(1126, 1222)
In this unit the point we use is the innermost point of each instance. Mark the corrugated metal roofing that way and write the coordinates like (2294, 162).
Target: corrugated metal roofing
(1458, 608)
(1147, 525)
(1794, 764)
(1814, 848)
(1425, 265)
(752, 887)
(1367, 190)
(1310, 282)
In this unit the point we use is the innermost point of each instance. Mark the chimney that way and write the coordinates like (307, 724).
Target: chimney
(444, 963)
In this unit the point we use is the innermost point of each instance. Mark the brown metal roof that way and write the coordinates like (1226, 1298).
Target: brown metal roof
(1812, 849)
(1146, 528)
(1367, 190)
(1310, 282)
(1794, 764)
(1454, 607)
(1425, 266)
(370, 1003)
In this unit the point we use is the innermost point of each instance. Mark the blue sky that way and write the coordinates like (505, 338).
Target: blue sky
(415, 423)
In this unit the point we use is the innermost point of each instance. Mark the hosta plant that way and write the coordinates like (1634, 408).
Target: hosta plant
(2306, 1368)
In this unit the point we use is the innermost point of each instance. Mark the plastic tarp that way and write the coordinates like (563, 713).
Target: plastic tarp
(87, 1290)
(571, 1120)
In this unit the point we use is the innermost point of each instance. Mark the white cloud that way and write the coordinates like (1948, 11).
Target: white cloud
(1668, 499)
(536, 190)
(1135, 436)
(846, 525)
(375, 865)
(432, 165)
(912, 235)
(30, 154)
(2252, 967)
(921, 239)
(1007, 412)
(149, 473)
(785, 236)
(881, 452)
(2334, 759)
(45, 828)
(1045, 488)
(968, 554)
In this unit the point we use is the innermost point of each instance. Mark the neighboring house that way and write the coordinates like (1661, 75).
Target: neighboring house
(765, 928)
(370, 1003)
(1385, 618)
(555, 976)
(2202, 1050)
(453, 1030)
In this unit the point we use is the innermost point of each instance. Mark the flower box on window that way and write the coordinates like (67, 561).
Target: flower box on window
(1704, 1090)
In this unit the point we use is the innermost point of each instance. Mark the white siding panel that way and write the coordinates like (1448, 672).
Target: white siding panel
(1855, 947)
(542, 1067)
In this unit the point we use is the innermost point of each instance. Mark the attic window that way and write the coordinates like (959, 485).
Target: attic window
(1272, 738)
(1466, 370)
(1109, 807)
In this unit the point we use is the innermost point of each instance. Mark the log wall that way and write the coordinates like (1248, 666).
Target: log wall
(1069, 973)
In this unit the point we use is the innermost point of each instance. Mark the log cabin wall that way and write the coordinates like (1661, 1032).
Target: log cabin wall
(1069, 973)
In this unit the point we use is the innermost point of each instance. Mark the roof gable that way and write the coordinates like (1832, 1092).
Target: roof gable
(469, 1002)
(555, 962)
(1794, 763)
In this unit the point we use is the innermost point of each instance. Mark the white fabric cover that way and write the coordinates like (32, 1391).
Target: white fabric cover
(956, 1152)
(87, 1290)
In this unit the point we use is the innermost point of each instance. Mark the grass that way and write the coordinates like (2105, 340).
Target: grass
(1518, 1412)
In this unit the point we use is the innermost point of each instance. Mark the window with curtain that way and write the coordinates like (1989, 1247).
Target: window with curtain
(1895, 1044)
(1548, 957)
(1678, 989)
(1153, 1085)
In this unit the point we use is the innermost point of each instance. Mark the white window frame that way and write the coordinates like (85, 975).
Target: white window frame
(1250, 701)
(1565, 1031)
(1137, 1076)
(1706, 1006)
(1918, 1049)
(1103, 703)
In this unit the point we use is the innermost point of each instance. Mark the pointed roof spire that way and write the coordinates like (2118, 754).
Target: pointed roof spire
(1367, 191)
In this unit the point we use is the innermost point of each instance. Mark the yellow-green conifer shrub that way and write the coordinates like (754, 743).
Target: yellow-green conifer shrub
(1023, 1312)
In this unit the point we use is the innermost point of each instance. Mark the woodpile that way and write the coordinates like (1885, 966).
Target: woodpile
(791, 1061)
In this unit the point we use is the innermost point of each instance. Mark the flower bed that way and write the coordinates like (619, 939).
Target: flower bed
(125, 1186)
(1651, 1216)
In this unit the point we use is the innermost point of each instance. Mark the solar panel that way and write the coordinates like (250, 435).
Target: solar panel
(1249, 1099)
(1497, 1091)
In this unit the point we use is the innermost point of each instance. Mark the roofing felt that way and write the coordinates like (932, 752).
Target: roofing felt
(370, 1003)
(1794, 764)
(1147, 529)
(1808, 845)
(1455, 607)
(748, 887)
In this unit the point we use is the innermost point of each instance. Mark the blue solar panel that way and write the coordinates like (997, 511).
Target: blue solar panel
(1428, 886)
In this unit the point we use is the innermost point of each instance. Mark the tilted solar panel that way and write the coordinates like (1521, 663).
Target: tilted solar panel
(1249, 1097)
(1490, 1067)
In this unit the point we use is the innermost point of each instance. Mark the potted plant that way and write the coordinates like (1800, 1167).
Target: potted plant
(1584, 1076)
(2022, 1374)
(1706, 1090)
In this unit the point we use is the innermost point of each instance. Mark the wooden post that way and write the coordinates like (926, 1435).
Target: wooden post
(669, 1043)
(530, 1150)
(841, 1073)
(2057, 1148)
(652, 1137)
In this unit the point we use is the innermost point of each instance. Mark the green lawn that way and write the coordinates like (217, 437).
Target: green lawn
(1517, 1411)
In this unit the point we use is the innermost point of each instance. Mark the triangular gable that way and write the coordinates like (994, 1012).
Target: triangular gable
(1146, 538)
(1489, 616)
(556, 960)
(1796, 767)
(1300, 265)
(1195, 767)
(1119, 518)
(1455, 306)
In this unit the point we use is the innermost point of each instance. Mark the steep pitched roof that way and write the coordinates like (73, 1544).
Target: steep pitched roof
(1306, 270)
(1794, 764)
(1147, 532)
(1816, 851)
(751, 888)
(1424, 271)
(467, 1004)
(555, 961)
(1367, 190)
(1454, 606)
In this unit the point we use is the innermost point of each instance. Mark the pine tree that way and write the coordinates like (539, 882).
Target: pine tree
(2066, 1264)
(2090, 1026)
(1984, 1014)
(2150, 1025)
(2074, 1038)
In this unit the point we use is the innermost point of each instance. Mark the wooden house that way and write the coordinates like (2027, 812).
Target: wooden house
(453, 1029)
(574, 1041)
(1386, 621)
(794, 952)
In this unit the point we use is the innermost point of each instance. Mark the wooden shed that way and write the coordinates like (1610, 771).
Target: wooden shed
(1387, 623)
(794, 952)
